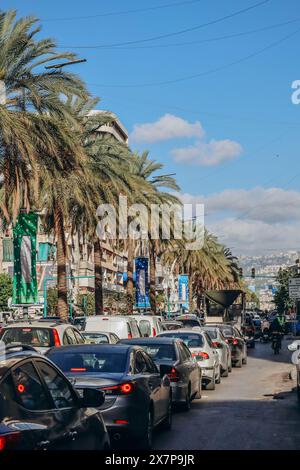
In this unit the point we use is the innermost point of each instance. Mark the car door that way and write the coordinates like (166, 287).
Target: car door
(162, 384)
(213, 352)
(193, 367)
(74, 424)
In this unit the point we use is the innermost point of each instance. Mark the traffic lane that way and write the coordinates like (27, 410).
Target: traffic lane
(254, 408)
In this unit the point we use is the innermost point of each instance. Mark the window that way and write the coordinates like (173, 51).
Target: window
(36, 337)
(96, 338)
(8, 249)
(192, 340)
(183, 354)
(209, 340)
(114, 338)
(29, 389)
(78, 337)
(134, 328)
(69, 337)
(89, 362)
(7, 398)
(145, 327)
(160, 352)
(141, 366)
(187, 352)
(58, 386)
(152, 369)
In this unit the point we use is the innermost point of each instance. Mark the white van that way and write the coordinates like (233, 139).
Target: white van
(124, 327)
(149, 325)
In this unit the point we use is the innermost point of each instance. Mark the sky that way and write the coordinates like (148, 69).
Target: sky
(206, 87)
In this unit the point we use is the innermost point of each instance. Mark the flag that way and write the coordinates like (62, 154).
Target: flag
(142, 284)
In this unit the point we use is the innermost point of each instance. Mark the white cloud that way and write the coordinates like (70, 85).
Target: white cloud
(166, 128)
(212, 153)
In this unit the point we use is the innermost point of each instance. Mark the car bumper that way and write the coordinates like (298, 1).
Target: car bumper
(125, 418)
(179, 391)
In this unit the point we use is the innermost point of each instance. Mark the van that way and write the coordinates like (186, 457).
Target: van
(149, 325)
(123, 327)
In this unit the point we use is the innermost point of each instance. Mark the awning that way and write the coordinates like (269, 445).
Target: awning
(225, 298)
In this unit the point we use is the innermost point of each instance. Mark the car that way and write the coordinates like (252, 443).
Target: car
(237, 343)
(101, 337)
(184, 374)
(42, 334)
(122, 326)
(294, 347)
(149, 325)
(40, 409)
(204, 353)
(172, 325)
(189, 320)
(223, 349)
(137, 394)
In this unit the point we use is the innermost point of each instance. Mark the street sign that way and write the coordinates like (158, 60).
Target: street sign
(294, 288)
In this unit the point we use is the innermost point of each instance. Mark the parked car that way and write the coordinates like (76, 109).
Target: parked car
(204, 353)
(101, 337)
(137, 395)
(40, 409)
(222, 347)
(123, 327)
(172, 325)
(294, 347)
(149, 325)
(42, 334)
(237, 343)
(184, 373)
(189, 320)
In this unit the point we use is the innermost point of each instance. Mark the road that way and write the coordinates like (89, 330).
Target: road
(254, 408)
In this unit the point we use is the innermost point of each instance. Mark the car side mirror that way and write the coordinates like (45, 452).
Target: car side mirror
(165, 370)
(293, 346)
(92, 398)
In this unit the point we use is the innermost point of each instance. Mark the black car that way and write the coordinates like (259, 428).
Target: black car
(237, 343)
(185, 374)
(40, 409)
(137, 395)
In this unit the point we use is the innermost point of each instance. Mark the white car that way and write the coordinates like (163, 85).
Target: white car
(294, 347)
(149, 325)
(42, 334)
(124, 327)
(100, 337)
(222, 347)
(203, 351)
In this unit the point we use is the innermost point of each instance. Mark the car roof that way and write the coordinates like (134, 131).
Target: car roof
(11, 358)
(96, 332)
(119, 347)
(187, 316)
(36, 324)
(181, 330)
(110, 317)
(155, 340)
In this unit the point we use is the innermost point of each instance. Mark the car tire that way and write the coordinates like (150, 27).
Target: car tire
(218, 381)
(211, 385)
(230, 367)
(188, 399)
(225, 372)
(146, 441)
(245, 360)
(199, 393)
(167, 422)
(238, 363)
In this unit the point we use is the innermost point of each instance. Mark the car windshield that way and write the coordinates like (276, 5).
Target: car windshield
(160, 352)
(36, 337)
(95, 338)
(190, 323)
(192, 340)
(90, 362)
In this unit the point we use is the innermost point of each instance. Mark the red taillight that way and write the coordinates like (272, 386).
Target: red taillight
(7, 441)
(78, 369)
(173, 375)
(153, 331)
(121, 421)
(123, 389)
(216, 344)
(126, 388)
(56, 337)
(235, 342)
(129, 336)
(203, 355)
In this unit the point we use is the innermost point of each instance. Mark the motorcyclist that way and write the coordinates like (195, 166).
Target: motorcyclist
(277, 328)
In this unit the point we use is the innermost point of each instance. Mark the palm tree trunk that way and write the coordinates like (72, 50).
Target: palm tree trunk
(129, 284)
(98, 278)
(152, 276)
(190, 291)
(62, 288)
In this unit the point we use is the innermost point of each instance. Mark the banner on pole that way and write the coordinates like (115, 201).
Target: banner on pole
(142, 284)
(25, 280)
(183, 290)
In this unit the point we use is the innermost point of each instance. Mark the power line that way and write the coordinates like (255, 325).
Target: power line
(122, 12)
(175, 33)
(205, 73)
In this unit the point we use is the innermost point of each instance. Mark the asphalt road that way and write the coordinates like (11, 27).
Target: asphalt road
(254, 408)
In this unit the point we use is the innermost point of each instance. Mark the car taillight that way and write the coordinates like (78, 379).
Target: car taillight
(8, 440)
(216, 344)
(122, 389)
(78, 369)
(201, 356)
(153, 331)
(235, 342)
(56, 337)
(129, 336)
(173, 375)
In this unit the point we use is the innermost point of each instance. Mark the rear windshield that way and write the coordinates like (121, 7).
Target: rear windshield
(192, 340)
(160, 352)
(227, 331)
(190, 323)
(33, 336)
(145, 327)
(95, 338)
(90, 362)
(212, 333)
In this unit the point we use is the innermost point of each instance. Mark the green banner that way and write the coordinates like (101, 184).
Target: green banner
(25, 281)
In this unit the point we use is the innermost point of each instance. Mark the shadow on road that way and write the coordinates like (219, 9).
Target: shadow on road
(265, 352)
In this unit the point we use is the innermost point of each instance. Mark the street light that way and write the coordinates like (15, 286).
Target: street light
(63, 64)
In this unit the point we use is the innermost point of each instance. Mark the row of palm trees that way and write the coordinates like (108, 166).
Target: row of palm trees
(54, 160)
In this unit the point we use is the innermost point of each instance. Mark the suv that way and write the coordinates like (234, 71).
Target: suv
(42, 334)
(40, 409)
(123, 327)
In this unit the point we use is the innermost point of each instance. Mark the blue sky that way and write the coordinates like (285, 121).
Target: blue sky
(244, 110)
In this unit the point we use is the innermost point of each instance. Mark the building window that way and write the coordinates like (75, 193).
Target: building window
(8, 249)
(46, 252)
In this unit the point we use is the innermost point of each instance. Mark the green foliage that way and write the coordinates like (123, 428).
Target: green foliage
(281, 297)
(52, 299)
(6, 289)
(86, 302)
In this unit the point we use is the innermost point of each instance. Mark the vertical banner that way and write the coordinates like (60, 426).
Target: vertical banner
(142, 284)
(25, 280)
(183, 290)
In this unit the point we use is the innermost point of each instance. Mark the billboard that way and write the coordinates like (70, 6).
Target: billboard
(142, 284)
(183, 290)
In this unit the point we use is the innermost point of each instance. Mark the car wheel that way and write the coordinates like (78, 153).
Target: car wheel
(199, 393)
(245, 360)
(218, 380)
(211, 385)
(146, 442)
(167, 422)
(238, 363)
(230, 367)
(187, 403)
(225, 372)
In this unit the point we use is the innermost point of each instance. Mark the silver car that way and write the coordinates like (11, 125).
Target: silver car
(222, 347)
(203, 351)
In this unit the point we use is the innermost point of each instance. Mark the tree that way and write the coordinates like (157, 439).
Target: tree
(6, 289)
(52, 300)
(86, 302)
(281, 297)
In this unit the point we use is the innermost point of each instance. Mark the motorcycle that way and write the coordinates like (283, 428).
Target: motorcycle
(276, 342)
